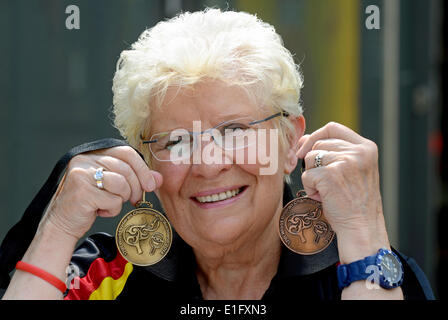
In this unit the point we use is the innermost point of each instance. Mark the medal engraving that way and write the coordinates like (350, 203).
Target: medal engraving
(303, 227)
(143, 236)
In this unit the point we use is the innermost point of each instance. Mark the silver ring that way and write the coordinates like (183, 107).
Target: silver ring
(98, 176)
(318, 159)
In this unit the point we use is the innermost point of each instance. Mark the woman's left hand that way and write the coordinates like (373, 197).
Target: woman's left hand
(348, 186)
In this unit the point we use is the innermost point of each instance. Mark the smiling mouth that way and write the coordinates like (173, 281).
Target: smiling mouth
(221, 196)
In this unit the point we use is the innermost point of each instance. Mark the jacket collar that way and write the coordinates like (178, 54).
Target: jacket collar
(180, 261)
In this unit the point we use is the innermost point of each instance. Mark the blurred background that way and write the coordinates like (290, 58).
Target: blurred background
(385, 78)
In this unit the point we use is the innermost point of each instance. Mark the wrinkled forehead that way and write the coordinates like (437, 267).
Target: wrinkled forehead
(210, 103)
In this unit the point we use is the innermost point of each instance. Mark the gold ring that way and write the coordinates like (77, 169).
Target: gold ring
(98, 176)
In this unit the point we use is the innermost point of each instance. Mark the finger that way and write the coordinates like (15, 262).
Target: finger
(327, 157)
(301, 142)
(149, 179)
(337, 145)
(116, 184)
(329, 131)
(116, 165)
(107, 204)
(310, 181)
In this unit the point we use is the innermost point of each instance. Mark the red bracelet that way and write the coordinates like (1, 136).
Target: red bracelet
(44, 275)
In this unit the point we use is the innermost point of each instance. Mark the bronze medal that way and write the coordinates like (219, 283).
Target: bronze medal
(303, 227)
(144, 235)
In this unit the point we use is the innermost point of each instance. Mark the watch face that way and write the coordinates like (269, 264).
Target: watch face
(390, 269)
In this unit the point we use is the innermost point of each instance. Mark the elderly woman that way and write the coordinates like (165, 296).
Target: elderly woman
(184, 94)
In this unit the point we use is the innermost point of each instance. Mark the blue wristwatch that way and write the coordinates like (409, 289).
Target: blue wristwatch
(383, 268)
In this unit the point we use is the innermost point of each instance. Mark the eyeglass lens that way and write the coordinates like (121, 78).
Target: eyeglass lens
(179, 144)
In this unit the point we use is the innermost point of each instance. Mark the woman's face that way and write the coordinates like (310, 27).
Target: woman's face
(239, 217)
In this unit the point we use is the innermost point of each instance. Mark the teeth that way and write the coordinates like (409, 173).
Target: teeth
(219, 196)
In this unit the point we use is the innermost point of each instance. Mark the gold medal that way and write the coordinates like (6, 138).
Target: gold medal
(303, 227)
(144, 235)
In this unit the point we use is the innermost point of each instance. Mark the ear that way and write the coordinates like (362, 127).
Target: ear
(296, 132)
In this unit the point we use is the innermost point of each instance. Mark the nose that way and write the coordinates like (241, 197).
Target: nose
(209, 160)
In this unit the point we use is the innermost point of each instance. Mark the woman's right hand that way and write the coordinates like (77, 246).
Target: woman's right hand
(78, 200)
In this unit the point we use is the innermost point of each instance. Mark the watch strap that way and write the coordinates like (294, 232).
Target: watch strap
(355, 271)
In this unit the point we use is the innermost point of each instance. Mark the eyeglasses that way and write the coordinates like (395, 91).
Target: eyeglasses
(179, 144)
